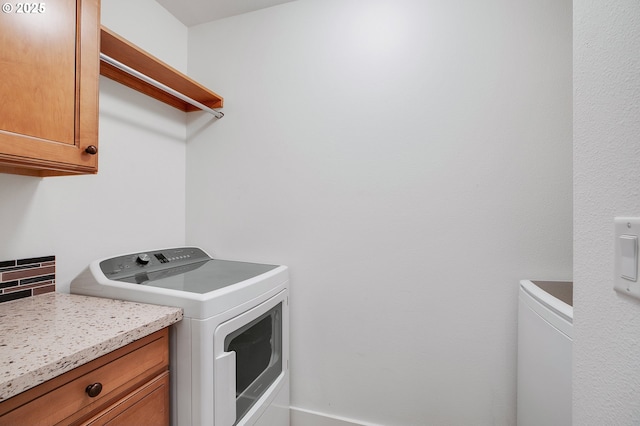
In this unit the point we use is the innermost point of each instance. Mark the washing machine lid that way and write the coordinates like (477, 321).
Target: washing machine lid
(184, 269)
(202, 277)
(556, 296)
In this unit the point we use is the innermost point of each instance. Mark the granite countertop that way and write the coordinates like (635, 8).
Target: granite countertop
(47, 335)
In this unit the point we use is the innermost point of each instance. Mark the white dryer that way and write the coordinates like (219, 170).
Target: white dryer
(545, 330)
(230, 354)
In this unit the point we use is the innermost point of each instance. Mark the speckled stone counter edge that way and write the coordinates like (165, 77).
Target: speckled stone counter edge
(47, 335)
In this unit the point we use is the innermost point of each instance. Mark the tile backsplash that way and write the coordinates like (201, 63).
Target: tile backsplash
(27, 277)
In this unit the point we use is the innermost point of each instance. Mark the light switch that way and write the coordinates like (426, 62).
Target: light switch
(628, 257)
(627, 237)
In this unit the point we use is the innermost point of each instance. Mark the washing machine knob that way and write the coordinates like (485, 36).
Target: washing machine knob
(143, 258)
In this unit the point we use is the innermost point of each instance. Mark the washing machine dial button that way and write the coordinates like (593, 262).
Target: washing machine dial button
(143, 258)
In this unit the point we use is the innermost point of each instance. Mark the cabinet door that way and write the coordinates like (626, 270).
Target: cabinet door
(148, 405)
(49, 64)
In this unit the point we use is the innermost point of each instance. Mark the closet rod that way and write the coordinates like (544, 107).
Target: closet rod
(159, 85)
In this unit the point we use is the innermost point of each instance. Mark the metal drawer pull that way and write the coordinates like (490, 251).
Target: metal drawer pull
(94, 389)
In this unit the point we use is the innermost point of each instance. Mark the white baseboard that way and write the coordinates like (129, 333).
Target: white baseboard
(302, 417)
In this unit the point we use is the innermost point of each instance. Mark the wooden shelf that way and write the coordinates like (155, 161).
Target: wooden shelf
(132, 56)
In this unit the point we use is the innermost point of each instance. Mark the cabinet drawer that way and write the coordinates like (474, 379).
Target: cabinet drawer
(65, 399)
(148, 405)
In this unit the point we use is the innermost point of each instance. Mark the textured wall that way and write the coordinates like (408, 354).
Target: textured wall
(410, 161)
(606, 184)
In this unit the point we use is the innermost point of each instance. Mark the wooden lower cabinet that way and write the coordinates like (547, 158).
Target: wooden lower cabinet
(148, 405)
(134, 382)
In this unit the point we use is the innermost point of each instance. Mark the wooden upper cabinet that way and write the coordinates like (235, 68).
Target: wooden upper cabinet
(49, 67)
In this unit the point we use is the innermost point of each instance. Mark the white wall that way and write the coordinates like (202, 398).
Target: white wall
(606, 181)
(136, 201)
(410, 160)
(150, 27)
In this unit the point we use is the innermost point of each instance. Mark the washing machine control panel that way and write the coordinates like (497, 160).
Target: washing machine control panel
(136, 263)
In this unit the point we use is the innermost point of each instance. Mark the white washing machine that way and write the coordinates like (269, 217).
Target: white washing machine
(230, 354)
(545, 330)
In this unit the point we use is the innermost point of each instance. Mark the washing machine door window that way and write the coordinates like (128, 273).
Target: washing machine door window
(258, 348)
(250, 363)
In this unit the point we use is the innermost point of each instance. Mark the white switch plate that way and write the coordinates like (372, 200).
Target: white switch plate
(625, 229)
